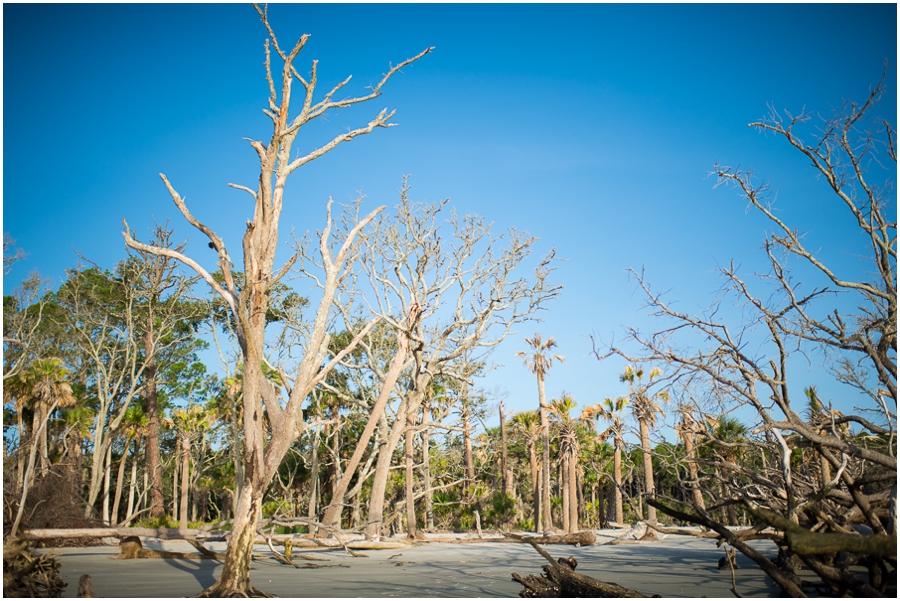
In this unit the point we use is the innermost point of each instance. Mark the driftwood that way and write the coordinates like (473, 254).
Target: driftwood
(131, 548)
(29, 574)
(85, 587)
(561, 580)
(166, 533)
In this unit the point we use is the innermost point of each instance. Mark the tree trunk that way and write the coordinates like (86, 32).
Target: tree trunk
(649, 486)
(617, 475)
(467, 439)
(410, 493)
(573, 493)
(314, 478)
(154, 462)
(107, 468)
(44, 457)
(235, 574)
(503, 458)
(697, 495)
(20, 456)
(565, 490)
(333, 510)
(175, 485)
(545, 440)
(382, 471)
(132, 483)
(120, 481)
(185, 479)
(535, 486)
(426, 468)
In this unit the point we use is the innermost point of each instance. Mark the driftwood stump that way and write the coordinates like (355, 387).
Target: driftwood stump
(85, 587)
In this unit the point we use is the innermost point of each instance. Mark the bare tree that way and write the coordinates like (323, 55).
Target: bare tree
(456, 292)
(816, 513)
(266, 441)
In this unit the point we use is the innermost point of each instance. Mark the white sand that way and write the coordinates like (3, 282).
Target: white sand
(678, 566)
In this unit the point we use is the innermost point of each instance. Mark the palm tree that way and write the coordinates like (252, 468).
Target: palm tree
(539, 362)
(611, 411)
(190, 421)
(45, 388)
(135, 426)
(527, 425)
(729, 436)
(568, 451)
(645, 409)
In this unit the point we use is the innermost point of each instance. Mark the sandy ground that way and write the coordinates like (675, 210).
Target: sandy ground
(679, 566)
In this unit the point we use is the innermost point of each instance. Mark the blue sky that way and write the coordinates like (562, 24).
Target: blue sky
(593, 127)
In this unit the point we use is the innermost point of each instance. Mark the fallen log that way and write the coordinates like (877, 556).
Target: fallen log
(561, 580)
(131, 548)
(165, 533)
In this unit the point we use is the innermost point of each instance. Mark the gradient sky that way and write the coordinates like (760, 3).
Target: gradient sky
(593, 127)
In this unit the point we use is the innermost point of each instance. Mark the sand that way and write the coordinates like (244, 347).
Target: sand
(678, 566)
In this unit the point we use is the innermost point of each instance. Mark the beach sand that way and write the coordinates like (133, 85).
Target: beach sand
(678, 566)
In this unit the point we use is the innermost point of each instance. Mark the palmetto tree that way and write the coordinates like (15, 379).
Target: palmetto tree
(645, 408)
(45, 388)
(43, 385)
(539, 361)
(568, 454)
(611, 411)
(527, 426)
(190, 422)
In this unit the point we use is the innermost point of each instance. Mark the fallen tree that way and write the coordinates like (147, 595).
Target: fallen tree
(561, 580)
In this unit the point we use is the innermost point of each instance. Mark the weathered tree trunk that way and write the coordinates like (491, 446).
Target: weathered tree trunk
(333, 510)
(120, 481)
(410, 490)
(235, 574)
(154, 462)
(649, 486)
(565, 489)
(467, 439)
(107, 468)
(617, 475)
(426, 467)
(535, 486)
(688, 438)
(561, 580)
(185, 479)
(312, 508)
(545, 441)
(503, 458)
(132, 485)
(382, 471)
(574, 497)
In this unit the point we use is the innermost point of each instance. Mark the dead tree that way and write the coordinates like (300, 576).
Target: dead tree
(838, 505)
(267, 439)
(453, 287)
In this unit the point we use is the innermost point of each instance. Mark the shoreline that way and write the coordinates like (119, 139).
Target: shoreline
(677, 566)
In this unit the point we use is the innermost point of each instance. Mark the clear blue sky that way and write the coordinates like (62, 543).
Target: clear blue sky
(593, 127)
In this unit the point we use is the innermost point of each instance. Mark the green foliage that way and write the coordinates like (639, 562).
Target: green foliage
(501, 510)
